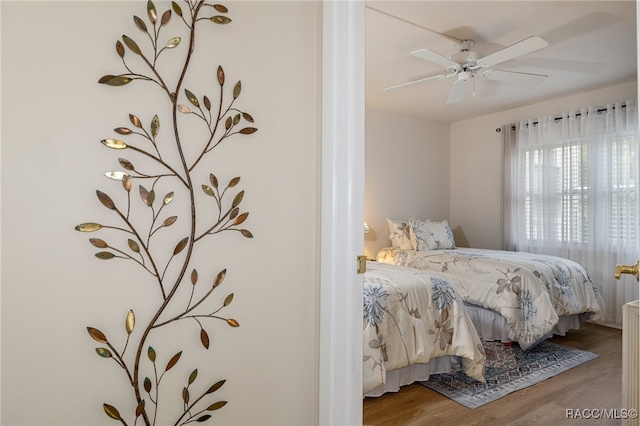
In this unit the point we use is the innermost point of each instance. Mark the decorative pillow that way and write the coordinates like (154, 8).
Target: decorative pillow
(427, 235)
(399, 231)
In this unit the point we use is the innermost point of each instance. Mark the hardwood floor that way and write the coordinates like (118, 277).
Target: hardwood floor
(595, 384)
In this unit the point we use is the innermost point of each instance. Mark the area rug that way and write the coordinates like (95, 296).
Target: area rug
(507, 370)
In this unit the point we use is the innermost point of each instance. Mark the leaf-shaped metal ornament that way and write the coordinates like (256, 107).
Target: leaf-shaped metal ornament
(131, 45)
(228, 123)
(111, 411)
(176, 8)
(167, 198)
(120, 49)
(125, 163)
(117, 80)
(133, 246)
(97, 335)
(97, 242)
(246, 233)
(185, 395)
(151, 353)
(145, 195)
(238, 199)
(236, 119)
(233, 323)
(135, 121)
(140, 24)
(220, 8)
(116, 175)
(208, 190)
(203, 419)
(123, 130)
(247, 117)
(233, 182)
(105, 78)
(234, 213)
(180, 246)
(170, 221)
(114, 144)
(240, 219)
(173, 361)
(220, 75)
(207, 102)
(219, 278)
(155, 126)
(126, 183)
(228, 300)
(204, 338)
(147, 384)
(105, 255)
(106, 200)
(193, 375)
(248, 130)
(192, 98)
(237, 89)
(104, 352)
(88, 227)
(140, 408)
(194, 277)
(213, 179)
(130, 322)
(166, 16)
(173, 42)
(184, 109)
(151, 11)
(215, 387)
(216, 405)
(219, 19)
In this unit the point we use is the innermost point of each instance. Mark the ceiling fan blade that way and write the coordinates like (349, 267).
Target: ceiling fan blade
(456, 40)
(422, 80)
(458, 90)
(436, 58)
(523, 47)
(513, 76)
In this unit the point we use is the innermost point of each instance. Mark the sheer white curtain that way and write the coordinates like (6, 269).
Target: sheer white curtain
(572, 189)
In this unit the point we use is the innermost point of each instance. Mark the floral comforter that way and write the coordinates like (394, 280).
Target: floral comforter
(410, 317)
(529, 290)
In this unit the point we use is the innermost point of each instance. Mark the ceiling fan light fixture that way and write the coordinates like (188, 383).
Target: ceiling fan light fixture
(464, 75)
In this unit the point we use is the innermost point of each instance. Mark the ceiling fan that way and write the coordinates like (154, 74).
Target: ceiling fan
(466, 64)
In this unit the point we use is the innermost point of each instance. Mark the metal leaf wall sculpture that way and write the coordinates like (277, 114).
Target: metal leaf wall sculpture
(168, 267)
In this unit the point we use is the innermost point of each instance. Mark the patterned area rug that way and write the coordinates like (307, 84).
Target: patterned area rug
(508, 369)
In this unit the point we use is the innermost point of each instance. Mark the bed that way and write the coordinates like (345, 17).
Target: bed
(515, 296)
(414, 324)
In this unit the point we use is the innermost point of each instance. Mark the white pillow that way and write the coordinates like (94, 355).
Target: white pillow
(427, 235)
(399, 231)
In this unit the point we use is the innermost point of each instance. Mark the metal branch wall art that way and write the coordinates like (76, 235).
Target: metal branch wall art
(158, 159)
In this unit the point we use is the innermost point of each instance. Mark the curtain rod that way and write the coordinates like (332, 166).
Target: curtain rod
(498, 130)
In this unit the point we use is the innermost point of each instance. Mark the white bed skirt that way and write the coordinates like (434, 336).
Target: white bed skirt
(395, 379)
(490, 326)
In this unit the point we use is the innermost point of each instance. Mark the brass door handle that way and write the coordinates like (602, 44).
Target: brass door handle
(627, 269)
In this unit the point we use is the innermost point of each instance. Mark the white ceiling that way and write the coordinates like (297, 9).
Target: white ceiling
(592, 44)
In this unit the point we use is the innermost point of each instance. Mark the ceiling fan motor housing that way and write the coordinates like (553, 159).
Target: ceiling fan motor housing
(467, 60)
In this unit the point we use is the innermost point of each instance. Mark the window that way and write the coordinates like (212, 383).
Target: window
(563, 184)
(571, 189)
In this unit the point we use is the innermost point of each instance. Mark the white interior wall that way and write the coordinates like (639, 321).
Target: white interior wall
(476, 162)
(54, 114)
(406, 172)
